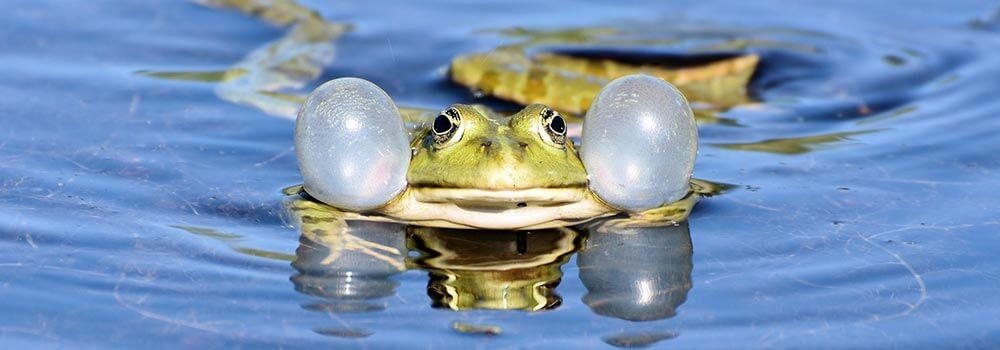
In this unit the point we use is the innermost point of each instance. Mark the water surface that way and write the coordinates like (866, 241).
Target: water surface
(146, 212)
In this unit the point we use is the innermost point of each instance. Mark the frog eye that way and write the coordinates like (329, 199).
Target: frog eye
(442, 125)
(553, 127)
(351, 144)
(447, 128)
(639, 143)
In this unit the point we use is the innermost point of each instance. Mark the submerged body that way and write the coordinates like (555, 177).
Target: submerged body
(472, 168)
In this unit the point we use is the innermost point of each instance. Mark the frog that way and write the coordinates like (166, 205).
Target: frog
(473, 168)
(504, 170)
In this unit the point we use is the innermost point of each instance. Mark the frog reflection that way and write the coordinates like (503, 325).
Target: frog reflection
(631, 273)
(636, 273)
(493, 270)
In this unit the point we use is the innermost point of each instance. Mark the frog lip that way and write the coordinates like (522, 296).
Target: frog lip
(502, 197)
(473, 208)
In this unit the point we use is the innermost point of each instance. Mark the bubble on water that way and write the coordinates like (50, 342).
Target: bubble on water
(352, 147)
(639, 143)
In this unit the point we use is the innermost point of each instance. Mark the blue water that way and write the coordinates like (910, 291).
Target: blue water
(885, 238)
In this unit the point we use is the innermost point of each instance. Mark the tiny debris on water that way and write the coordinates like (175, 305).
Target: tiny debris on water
(476, 329)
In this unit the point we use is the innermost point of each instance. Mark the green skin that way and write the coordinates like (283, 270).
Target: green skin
(491, 152)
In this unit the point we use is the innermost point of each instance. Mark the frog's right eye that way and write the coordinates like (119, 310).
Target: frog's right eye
(447, 128)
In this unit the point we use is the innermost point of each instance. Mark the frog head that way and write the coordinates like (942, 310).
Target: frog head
(470, 147)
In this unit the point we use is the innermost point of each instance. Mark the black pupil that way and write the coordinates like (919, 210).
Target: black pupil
(442, 124)
(558, 125)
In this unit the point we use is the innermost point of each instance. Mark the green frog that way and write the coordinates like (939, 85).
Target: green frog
(472, 168)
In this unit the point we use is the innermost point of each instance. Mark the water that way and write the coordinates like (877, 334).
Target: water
(143, 212)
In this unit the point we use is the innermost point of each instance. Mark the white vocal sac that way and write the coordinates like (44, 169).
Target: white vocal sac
(639, 143)
(352, 147)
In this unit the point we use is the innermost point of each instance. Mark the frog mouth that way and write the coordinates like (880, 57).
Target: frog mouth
(520, 198)
(520, 209)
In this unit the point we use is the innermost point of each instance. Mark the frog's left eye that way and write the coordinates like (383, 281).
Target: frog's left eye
(553, 127)
(447, 128)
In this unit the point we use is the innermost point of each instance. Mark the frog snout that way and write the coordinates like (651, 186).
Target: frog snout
(491, 145)
(499, 147)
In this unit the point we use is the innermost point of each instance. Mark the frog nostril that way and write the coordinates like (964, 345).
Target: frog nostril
(488, 143)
